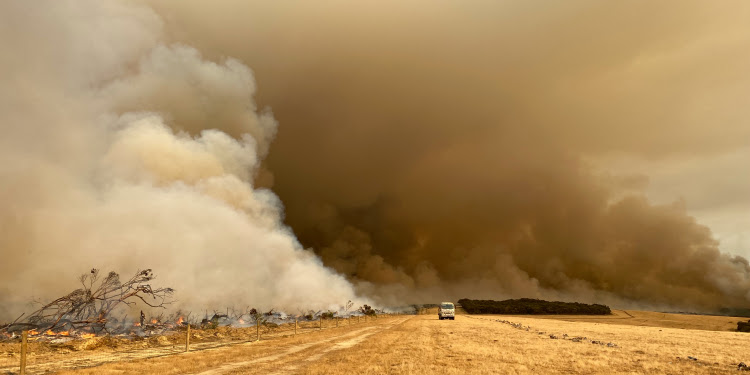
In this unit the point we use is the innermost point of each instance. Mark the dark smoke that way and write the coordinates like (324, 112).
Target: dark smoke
(444, 149)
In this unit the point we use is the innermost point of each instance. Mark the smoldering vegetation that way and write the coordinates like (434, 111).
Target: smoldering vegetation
(100, 307)
(432, 150)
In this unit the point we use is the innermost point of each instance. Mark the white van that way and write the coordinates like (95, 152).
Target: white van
(447, 310)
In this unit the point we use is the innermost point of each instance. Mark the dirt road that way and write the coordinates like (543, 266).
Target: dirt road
(469, 345)
(290, 360)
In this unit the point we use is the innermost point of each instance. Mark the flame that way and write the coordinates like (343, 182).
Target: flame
(180, 320)
(154, 321)
(49, 332)
(87, 335)
(33, 332)
(137, 324)
(241, 321)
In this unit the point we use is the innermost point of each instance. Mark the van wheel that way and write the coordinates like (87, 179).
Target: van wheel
(440, 317)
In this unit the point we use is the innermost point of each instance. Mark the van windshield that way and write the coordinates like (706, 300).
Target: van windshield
(446, 306)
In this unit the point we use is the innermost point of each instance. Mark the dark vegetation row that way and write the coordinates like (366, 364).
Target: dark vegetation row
(736, 311)
(532, 307)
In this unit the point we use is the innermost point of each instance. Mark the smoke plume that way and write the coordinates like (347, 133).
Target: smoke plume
(122, 152)
(437, 149)
(427, 150)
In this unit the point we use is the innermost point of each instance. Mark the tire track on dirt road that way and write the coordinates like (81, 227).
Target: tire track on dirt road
(287, 361)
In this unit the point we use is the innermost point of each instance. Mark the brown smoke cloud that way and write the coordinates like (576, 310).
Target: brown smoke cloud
(448, 149)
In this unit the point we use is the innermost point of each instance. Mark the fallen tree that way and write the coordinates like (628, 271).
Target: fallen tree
(525, 306)
(89, 307)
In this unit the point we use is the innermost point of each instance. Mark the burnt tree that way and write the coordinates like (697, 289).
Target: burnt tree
(90, 306)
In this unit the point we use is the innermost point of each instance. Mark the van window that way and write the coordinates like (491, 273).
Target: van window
(446, 306)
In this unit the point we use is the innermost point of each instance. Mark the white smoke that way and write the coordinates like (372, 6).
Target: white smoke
(119, 152)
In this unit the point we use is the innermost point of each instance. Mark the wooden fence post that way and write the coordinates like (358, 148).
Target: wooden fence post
(321, 322)
(24, 348)
(187, 339)
(295, 326)
(257, 329)
(337, 322)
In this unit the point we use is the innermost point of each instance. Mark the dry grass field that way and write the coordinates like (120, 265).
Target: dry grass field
(657, 319)
(627, 342)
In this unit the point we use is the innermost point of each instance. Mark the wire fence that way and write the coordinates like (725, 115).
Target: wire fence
(34, 353)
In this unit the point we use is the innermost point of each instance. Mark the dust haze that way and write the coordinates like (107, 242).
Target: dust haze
(425, 150)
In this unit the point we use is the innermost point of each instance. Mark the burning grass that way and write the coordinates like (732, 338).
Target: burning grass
(90, 309)
(100, 307)
(89, 326)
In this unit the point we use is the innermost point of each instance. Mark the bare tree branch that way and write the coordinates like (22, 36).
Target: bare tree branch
(91, 305)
